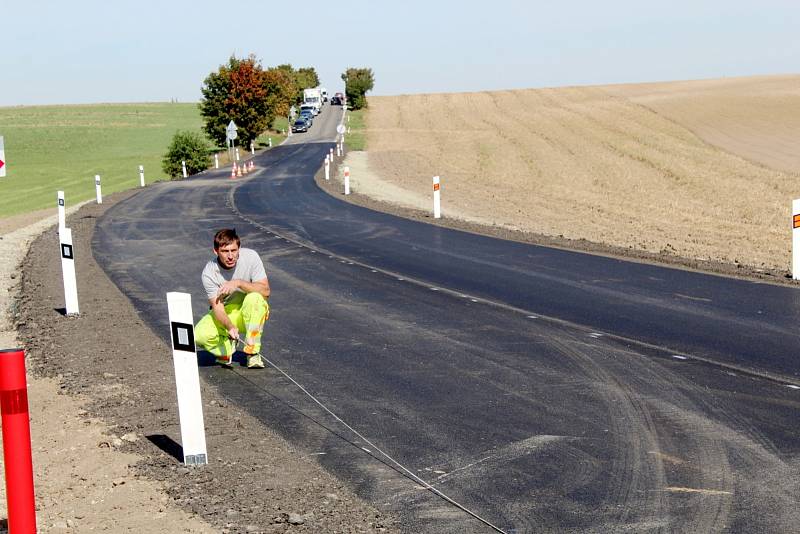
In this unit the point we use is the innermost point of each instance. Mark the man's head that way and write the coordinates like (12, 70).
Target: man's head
(226, 247)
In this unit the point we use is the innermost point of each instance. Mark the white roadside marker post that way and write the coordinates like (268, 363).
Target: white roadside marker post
(796, 239)
(62, 212)
(187, 379)
(338, 150)
(347, 180)
(270, 141)
(97, 189)
(327, 168)
(68, 272)
(331, 153)
(237, 153)
(216, 161)
(252, 149)
(141, 175)
(437, 201)
(183, 168)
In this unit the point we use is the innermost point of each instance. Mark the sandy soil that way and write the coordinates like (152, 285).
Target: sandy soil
(617, 166)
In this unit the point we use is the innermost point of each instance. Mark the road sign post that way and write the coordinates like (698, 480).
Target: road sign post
(437, 202)
(187, 379)
(98, 191)
(68, 272)
(231, 134)
(62, 214)
(796, 239)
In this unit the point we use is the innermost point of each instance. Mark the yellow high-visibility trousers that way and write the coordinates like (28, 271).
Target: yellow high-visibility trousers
(247, 312)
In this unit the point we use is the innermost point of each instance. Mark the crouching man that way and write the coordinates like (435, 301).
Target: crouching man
(237, 288)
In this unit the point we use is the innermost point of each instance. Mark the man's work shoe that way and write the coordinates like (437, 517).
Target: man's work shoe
(225, 361)
(254, 361)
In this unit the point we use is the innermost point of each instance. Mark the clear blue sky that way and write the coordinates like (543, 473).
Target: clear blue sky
(134, 51)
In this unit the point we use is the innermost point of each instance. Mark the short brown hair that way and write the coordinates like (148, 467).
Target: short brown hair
(225, 237)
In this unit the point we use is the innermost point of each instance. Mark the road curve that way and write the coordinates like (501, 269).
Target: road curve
(542, 389)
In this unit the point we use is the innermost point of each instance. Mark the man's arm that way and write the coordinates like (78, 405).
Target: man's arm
(259, 286)
(218, 309)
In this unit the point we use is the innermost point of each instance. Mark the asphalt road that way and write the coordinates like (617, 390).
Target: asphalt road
(542, 389)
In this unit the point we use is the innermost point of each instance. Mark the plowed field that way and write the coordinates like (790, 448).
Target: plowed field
(701, 170)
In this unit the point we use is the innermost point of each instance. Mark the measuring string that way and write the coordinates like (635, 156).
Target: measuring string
(375, 447)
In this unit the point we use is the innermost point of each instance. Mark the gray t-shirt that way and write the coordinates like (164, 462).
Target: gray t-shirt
(249, 268)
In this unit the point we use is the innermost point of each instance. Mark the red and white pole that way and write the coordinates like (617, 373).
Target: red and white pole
(17, 442)
(796, 239)
(437, 201)
(347, 180)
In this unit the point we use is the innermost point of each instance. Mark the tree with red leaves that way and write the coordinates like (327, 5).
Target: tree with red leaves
(237, 91)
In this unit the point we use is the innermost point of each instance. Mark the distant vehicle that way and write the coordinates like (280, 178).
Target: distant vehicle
(313, 96)
(309, 107)
(300, 125)
(336, 101)
(324, 93)
(308, 116)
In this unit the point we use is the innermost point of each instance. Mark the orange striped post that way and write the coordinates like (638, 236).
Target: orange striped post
(796, 239)
(17, 442)
(437, 201)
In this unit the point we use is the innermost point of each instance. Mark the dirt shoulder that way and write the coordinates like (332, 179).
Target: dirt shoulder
(105, 423)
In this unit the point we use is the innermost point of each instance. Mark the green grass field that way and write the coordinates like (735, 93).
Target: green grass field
(356, 139)
(52, 148)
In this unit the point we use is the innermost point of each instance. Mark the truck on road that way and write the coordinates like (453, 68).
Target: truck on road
(313, 96)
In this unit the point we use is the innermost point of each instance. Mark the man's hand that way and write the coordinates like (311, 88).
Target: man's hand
(233, 332)
(226, 289)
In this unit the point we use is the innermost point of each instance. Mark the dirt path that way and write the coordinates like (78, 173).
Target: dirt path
(103, 418)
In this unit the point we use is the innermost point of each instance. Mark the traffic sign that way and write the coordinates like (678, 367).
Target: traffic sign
(231, 130)
(340, 128)
(2, 157)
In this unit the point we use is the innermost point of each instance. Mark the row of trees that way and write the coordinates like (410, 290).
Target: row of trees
(243, 91)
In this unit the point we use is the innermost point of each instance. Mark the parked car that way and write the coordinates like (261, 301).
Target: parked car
(336, 101)
(308, 116)
(300, 125)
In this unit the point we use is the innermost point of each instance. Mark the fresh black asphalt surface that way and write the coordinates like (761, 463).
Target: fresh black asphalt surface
(545, 390)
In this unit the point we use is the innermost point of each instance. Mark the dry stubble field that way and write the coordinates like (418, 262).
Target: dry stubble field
(701, 170)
